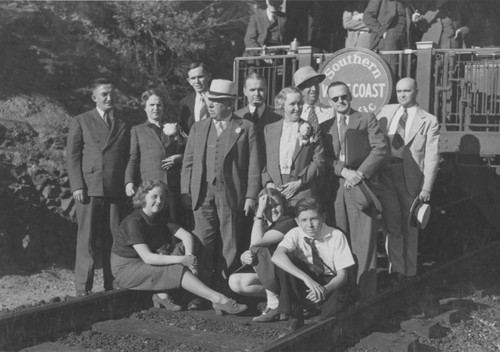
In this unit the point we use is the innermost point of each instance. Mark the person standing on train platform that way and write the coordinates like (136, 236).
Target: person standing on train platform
(308, 80)
(358, 34)
(356, 219)
(220, 181)
(408, 174)
(194, 106)
(96, 155)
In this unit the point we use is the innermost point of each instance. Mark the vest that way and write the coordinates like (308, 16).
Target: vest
(216, 148)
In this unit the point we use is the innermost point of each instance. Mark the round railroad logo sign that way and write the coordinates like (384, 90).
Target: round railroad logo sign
(367, 75)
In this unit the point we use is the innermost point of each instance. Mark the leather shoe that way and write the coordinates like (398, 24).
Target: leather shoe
(82, 293)
(295, 323)
(397, 279)
(166, 302)
(269, 314)
(195, 304)
(230, 307)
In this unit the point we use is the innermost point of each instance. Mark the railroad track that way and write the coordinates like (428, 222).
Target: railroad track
(126, 316)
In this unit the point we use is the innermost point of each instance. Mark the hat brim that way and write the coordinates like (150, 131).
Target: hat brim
(368, 194)
(220, 96)
(319, 77)
(413, 217)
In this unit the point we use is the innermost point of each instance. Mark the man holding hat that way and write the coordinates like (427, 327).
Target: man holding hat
(308, 80)
(355, 204)
(409, 174)
(220, 179)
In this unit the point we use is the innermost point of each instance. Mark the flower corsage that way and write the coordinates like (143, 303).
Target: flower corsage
(174, 130)
(306, 134)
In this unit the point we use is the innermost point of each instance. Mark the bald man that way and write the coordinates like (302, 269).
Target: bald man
(413, 137)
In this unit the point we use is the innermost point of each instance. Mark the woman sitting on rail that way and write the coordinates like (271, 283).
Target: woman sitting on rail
(144, 257)
(294, 150)
(269, 228)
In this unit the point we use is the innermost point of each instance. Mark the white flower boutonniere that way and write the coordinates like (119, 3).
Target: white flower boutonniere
(239, 130)
(170, 129)
(306, 134)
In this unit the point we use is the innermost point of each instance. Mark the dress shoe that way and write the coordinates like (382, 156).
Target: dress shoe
(397, 279)
(196, 304)
(82, 293)
(231, 307)
(295, 323)
(269, 314)
(166, 302)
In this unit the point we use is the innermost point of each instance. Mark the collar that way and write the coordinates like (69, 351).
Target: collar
(412, 110)
(148, 219)
(153, 124)
(260, 109)
(324, 234)
(101, 112)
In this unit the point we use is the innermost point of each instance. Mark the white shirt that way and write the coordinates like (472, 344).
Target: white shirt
(198, 103)
(411, 111)
(101, 113)
(288, 142)
(342, 154)
(332, 247)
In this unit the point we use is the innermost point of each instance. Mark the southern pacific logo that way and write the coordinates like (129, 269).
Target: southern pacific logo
(366, 74)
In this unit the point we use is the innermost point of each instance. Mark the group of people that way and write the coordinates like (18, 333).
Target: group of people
(377, 25)
(262, 201)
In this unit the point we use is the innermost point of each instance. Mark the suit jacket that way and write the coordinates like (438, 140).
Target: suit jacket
(97, 157)
(268, 116)
(378, 17)
(440, 27)
(358, 121)
(187, 112)
(420, 153)
(146, 153)
(307, 161)
(258, 25)
(241, 165)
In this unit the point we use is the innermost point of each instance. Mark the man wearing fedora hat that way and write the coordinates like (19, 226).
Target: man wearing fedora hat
(308, 80)
(220, 179)
(413, 135)
(355, 204)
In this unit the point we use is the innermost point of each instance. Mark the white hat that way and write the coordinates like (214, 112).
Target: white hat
(419, 214)
(306, 73)
(221, 89)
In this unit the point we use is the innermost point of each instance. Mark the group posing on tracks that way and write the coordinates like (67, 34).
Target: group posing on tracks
(278, 202)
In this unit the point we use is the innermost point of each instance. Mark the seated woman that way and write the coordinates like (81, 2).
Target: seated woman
(270, 226)
(137, 265)
(294, 150)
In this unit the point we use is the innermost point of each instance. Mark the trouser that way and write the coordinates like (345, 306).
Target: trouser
(98, 221)
(215, 226)
(402, 239)
(360, 229)
(292, 295)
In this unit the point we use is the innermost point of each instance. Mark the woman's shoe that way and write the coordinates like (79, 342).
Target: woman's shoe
(166, 302)
(269, 314)
(231, 307)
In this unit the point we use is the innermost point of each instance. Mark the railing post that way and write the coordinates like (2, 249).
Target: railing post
(305, 56)
(424, 75)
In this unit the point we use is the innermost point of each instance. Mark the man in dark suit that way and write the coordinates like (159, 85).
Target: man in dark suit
(389, 22)
(194, 107)
(357, 223)
(221, 179)
(97, 154)
(257, 111)
(267, 27)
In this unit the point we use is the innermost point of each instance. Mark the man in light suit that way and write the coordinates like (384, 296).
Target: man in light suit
(96, 155)
(194, 107)
(357, 223)
(267, 27)
(409, 173)
(221, 179)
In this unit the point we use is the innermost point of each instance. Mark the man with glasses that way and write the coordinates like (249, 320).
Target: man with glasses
(357, 221)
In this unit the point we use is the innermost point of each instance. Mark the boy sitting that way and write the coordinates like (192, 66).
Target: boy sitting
(313, 261)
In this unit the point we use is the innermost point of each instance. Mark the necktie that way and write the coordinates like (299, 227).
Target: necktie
(255, 116)
(107, 119)
(342, 130)
(203, 113)
(399, 137)
(219, 126)
(312, 118)
(317, 265)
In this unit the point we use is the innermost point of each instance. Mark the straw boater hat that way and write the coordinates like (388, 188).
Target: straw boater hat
(306, 73)
(419, 214)
(364, 197)
(222, 89)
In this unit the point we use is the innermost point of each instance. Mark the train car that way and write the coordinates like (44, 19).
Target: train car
(459, 86)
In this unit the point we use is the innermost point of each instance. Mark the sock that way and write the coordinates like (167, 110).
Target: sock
(272, 299)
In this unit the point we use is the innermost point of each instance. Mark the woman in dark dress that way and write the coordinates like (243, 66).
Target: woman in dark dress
(257, 277)
(156, 149)
(144, 256)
